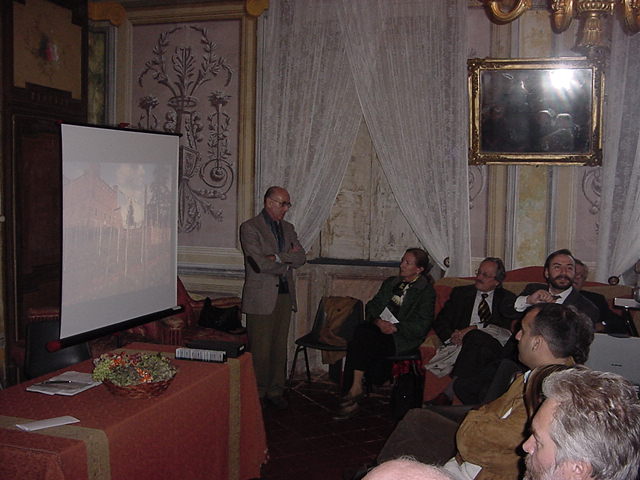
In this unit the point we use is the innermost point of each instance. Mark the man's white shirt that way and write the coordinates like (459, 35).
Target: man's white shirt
(521, 302)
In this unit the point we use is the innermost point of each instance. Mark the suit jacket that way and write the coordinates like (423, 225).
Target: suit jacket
(490, 439)
(457, 311)
(415, 315)
(613, 323)
(260, 290)
(575, 298)
(487, 439)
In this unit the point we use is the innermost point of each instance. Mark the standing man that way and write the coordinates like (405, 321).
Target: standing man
(559, 271)
(588, 428)
(477, 318)
(271, 252)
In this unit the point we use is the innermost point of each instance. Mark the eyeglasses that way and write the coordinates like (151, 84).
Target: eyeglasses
(484, 275)
(282, 204)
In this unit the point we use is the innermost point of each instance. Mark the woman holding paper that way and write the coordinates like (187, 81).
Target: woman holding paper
(397, 320)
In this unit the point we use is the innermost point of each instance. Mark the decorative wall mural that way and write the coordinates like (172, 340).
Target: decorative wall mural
(592, 189)
(476, 183)
(186, 84)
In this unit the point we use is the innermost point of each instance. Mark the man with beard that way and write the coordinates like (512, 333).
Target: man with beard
(486, 443)
(559, 271)
(588, 428)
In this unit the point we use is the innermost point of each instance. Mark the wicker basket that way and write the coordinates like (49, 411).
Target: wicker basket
(141, 390)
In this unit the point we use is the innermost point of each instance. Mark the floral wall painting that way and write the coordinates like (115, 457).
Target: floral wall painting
(186, 81)
(47, 47)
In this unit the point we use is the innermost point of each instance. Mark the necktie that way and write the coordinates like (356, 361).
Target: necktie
(483, 310)
(280, 237)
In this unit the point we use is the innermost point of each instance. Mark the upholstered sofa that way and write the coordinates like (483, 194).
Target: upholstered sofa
(515, 282)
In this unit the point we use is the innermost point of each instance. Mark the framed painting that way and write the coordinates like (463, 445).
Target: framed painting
(535, 111)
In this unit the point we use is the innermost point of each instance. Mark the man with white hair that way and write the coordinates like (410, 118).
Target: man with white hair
(407, 468)
(588, 428)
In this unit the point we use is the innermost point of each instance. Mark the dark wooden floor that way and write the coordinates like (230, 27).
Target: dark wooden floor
(305, 442)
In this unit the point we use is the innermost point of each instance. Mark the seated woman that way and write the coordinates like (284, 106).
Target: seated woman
(410, 298)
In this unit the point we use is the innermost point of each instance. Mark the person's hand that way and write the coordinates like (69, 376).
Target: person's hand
(295, 248)
(540, 296)
(271, 257)
(385, 327)
(458, 335)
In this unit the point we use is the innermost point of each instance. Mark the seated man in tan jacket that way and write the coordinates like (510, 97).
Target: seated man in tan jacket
(489, 438)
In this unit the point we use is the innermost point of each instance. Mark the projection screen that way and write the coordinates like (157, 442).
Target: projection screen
(119, 221)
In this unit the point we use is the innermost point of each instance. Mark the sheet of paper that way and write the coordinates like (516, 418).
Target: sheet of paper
(387, 316)
(49, 422)
(67, 383)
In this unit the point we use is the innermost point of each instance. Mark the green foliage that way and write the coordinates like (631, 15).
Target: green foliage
(122, 369)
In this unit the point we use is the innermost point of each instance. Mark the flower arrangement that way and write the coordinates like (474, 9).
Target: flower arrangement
(124, 370)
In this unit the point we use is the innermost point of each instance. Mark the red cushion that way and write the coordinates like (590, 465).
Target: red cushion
(442, 295)
(184, 300)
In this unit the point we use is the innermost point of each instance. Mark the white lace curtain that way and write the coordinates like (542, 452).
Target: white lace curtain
(408, 65)
(309, 113)
(619, 237)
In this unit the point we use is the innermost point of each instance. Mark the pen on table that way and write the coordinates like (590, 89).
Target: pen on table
(57, 381)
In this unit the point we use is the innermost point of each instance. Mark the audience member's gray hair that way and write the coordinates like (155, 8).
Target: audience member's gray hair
(407, 467)
(597, 421)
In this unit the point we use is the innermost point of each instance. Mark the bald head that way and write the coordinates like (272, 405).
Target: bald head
(276, 203)
(407, 469)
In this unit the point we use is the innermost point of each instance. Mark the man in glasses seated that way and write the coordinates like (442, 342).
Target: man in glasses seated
(475, 323)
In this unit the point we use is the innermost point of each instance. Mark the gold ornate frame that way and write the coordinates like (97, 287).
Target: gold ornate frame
(516, 117)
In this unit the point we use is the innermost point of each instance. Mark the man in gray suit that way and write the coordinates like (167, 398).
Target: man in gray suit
(271, 252)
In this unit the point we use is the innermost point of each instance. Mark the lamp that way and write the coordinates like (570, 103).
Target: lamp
(594, 17)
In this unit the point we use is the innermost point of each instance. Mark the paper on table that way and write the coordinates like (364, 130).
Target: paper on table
(67, 383)
(49, 422)
(387, 316)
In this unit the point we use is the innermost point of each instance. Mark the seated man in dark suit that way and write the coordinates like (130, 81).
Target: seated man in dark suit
(478, 319)
(609, 321)
(559, 271)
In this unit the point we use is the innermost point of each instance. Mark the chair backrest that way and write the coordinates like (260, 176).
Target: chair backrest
(337, 319)
(38, 360)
